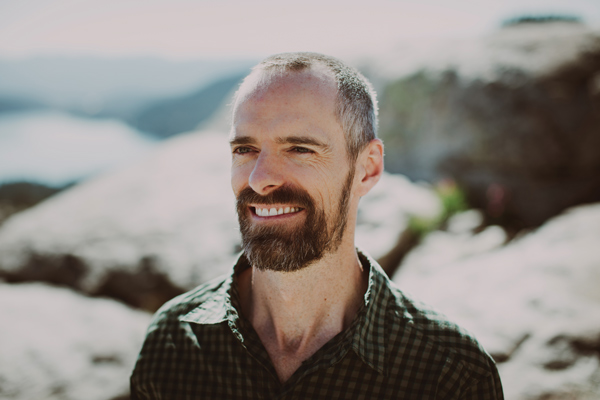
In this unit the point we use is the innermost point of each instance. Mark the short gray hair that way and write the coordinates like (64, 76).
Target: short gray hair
(356, 107)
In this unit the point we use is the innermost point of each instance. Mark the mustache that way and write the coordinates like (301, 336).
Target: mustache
(284, 194)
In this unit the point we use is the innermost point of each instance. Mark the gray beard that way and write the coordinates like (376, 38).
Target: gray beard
(285, 249)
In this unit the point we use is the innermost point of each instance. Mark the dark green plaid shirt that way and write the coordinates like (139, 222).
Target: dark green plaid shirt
(198, 346)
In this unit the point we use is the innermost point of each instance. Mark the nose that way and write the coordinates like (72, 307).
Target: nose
(267, 174)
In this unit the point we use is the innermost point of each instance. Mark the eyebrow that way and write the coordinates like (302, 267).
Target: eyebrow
(299, 140)
(242, 140)
(302, 140)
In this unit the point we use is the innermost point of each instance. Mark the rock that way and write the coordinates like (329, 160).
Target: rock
(143, 234)
(165, 225)
(465, 222)
(457, 243)
(18, 196)
(56, 344)
(513, 118)
(534, 303)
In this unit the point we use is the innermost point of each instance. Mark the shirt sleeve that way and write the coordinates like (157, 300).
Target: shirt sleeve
(149, 371)
(489, 388)
(136, 394)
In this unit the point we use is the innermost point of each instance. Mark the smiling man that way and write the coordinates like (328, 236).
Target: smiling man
(304, 314)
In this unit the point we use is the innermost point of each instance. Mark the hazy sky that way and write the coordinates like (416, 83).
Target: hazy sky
(231, 28)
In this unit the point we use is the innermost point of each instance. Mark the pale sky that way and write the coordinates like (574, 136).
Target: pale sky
(183, 29)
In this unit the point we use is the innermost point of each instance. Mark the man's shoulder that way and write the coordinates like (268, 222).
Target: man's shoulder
(436, 333)
(178, 307)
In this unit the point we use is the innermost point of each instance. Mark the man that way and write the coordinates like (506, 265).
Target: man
(304, 315)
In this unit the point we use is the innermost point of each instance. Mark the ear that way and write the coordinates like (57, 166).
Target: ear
(369, 166)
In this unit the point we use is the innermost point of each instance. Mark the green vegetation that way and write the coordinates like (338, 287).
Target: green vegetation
(452, 197)
(453, 201)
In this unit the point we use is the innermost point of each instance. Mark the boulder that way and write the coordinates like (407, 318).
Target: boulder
(534, 303)
(165, 225)
(56, 344)
(514, 118)
(458, 242)
(141, 234)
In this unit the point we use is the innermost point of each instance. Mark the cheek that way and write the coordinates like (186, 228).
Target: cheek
(327, 193)
(239, 178)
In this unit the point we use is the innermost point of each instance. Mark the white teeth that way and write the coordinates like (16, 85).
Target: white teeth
(265, 212)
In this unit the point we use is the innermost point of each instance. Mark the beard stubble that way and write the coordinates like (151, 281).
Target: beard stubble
(285, 248)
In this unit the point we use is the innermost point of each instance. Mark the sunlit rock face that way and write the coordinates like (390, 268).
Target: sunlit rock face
(534, 304)
(165, 225)
(56, 344)
(514, 118)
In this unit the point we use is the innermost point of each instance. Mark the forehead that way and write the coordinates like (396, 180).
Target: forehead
(294, 98)
(260, 82)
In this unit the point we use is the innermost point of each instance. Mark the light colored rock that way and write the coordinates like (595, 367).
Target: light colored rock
(56, 344)
(165, 225)
(534, 304)
(458, 243)
(536, 49)
(175, 209)
(384, 213)
(465, 222)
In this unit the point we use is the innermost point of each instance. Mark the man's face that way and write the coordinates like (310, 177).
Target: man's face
(290, 172)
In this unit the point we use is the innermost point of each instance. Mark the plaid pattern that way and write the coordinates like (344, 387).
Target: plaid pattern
(199, 347)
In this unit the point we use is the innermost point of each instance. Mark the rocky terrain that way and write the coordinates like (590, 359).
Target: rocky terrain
(534, 304)
(513, 118)
(57, 344)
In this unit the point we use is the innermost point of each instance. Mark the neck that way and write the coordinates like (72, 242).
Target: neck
(296, 313)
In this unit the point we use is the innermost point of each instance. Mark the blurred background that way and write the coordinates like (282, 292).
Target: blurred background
(114, 172)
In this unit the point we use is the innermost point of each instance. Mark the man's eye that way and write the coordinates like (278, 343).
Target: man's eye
(242, 150)
(302, 150)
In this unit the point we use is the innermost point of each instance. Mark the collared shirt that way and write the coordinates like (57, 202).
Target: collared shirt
(199, 346)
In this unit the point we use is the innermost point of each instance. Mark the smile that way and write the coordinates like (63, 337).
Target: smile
(269, 212)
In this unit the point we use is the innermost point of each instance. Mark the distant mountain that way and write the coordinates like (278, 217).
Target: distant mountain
(170, 117)
(12, 104)
(108, 87)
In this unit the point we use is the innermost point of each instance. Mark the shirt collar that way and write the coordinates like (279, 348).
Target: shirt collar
(368, 338)
(223, 305)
